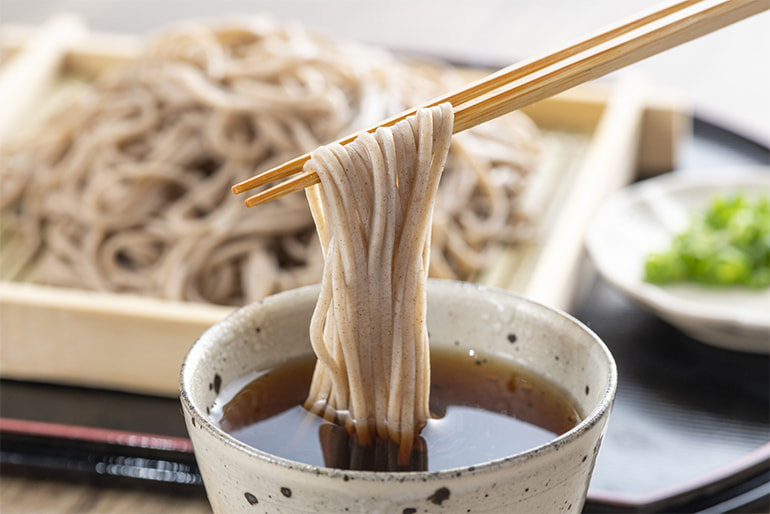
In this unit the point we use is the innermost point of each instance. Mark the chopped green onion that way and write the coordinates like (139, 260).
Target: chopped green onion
(728, 244)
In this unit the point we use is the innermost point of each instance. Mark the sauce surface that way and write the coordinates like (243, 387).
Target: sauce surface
(483, 407)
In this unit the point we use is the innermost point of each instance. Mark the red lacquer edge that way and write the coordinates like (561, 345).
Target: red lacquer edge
(93, 434)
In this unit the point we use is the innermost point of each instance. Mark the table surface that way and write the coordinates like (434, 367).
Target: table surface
(726, 74)
(27, 495)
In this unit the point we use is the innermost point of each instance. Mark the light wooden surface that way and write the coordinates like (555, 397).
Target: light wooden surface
(122, 342)
(40, 496)
(38, 66)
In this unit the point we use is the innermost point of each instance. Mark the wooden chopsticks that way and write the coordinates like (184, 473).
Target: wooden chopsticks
(524, 83)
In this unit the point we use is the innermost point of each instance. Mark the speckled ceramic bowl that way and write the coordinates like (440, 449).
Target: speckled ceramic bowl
(550, 478)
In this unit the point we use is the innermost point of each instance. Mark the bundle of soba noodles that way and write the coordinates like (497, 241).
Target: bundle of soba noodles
(128, 189)
(373, 211)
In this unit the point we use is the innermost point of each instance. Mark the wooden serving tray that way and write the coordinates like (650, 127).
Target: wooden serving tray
(599, 137)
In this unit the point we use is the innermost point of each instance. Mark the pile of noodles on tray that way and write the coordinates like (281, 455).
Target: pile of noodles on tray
(128, 189)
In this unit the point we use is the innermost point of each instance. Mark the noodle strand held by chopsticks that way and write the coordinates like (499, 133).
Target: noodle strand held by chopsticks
(373, 210)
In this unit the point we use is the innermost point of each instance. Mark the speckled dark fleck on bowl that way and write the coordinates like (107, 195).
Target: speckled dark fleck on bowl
(550, 478)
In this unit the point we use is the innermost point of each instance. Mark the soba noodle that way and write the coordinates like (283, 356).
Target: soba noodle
(128, 189)
(373, 213)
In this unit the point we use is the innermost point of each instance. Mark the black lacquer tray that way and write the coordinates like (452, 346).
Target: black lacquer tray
(690, 431)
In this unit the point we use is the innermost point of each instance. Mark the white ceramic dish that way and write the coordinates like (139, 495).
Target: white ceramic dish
(642, 218)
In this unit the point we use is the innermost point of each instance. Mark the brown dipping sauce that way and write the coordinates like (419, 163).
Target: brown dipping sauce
(483, 407)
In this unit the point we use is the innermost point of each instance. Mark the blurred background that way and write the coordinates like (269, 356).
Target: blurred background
(726, 75)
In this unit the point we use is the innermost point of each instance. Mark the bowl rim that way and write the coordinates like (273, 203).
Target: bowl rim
(592, 418)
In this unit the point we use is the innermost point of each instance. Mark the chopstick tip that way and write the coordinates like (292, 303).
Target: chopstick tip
(238, 188)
